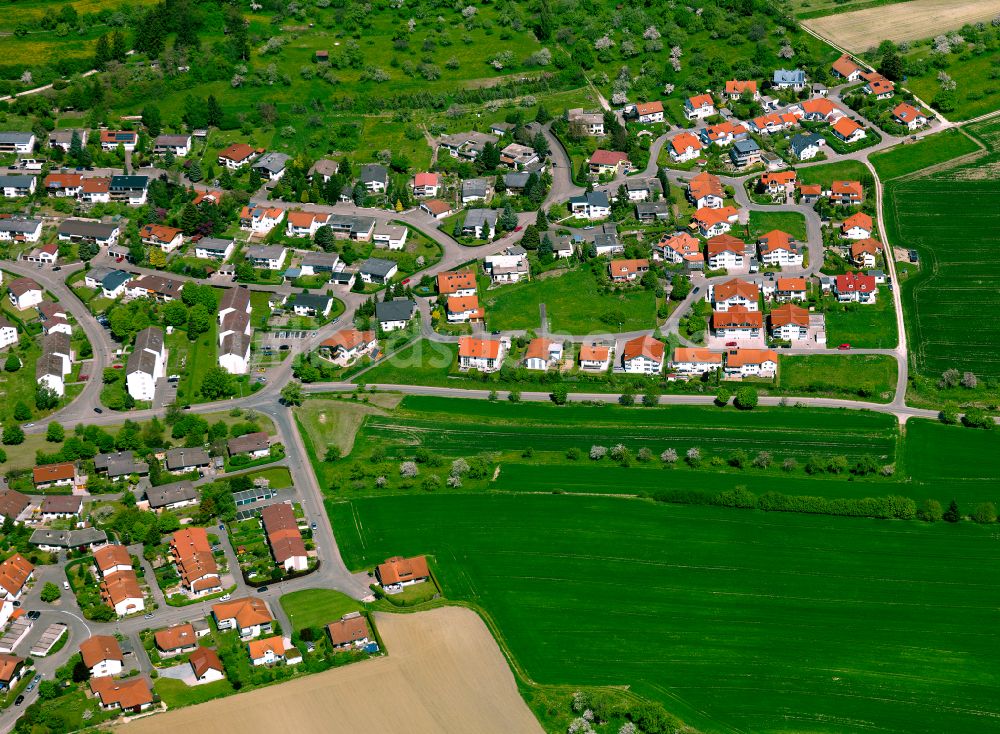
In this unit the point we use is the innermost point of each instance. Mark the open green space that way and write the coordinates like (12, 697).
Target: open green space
(930, 151)
(818, 8)
(176, 693)
(574, 304)
(791, 222)
(317, 607)
(970, 64)
(734, 620)
(827, 173)
(864, 326)
(870, 376)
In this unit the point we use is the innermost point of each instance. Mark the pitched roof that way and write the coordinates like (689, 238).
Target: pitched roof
(282, 532)
(868, 244)
(237, 299)
(860, 219)
(740, 357)
(99, 648)
(789, 313)
(705, 184)
(127, 693)
(906, 112)
(683, 244)
(628, 267)
(119, 586)
(707, 217)
(682, 141)
(425, 179)
(780, 178)
(818, 106)
(9, 665)
(204, 659)
(849, 188)
(594, 352)
(398, 569)
(648, 108)
(247, 611)
(726, 243)
(168, 494)
(352, 628)
(643, 346)
(176, 637)
(845, 127)
(472, 347)
(737, 317)
(738, 87)
(790, 284)
(14, 572)
(736, 287)
(697, 354)
(608, 157)
(775, 240)
(259, 648)
(398, 309)
(257, 441)
(700, 100)
(20, 286)
(349, 339)
(109, 556)
(436, 206)
(456, 280)
(845, 66)
(237, 152)
(54, 472)
(304, 220)
(62, 504)
(12, 503)
(855, 282)
(539, 348)
(465, 304)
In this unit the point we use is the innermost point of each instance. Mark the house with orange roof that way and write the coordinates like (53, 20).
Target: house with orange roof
(595, 356)
(457, 283)
(236, 156)
(96, 190)
(773, 122)
(735, 293)
(304, 224)
(102, 655)
(120, 590)
(162, 237)
(112, 559)
(817, 109)
(15, 572)
(267, 651)
(779, 182)
(206, 665)
(437, 208)
(643, 355)
(789, 322)
(463, 309)
(742, 363)
(542, 354)
(699, 107)
(260, 219)
(864, 253)
(624, 271)
(11, 669)
(248, 615)
(726, 252)
(855, 288)
(789, 289)
(846, 193)
(426, 185)
(351, 630)
(131, 695)
(878, 85)
(810, 192)
(857, 227)
(609, 162)
(713, 222)
(908, 115)
(723, 133)
(685, 147)
(648, 112)
(192, 554)
(284, 537)
(207, 197)
(779, 248)
(176, 640)
(63, 184)
(398, 572)
(848, 130)
(485, 355)
(737, 323)
(705, 191)
(111, 139)
(845, 68)
(349, 344)
(695, 361)
(735, 89)
(54, 475)
(679, 247)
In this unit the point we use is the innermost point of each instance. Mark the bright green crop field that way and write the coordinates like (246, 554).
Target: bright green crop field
(736, 621)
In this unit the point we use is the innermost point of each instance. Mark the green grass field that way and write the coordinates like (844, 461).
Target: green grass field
(868, 327)
(791, 222)
(931, 151)
(176, 693)
(818, 8)
(317, 607)
(977, 92)
(827, 173)
(573, 306)
(735, 621)
(872, 376)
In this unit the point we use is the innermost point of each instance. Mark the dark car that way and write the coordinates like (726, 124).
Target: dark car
(261, 589)
(19, 700)
(57, 268)
(98, 410)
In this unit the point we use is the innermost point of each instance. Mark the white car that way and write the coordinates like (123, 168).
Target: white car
(225, 597)
(66, 585)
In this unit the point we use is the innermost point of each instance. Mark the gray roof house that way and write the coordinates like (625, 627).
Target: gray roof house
(517, 180)
(377, 269)
(802, 141)
(785, 78)
(186, 458)
(374, 177)
(475, 188)
(120, 464)
(399, 309)
(476, 218)
(271, 165)
(47, 538)
(167, 495)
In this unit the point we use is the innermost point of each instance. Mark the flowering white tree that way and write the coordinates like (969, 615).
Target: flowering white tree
(598, 452)
(602, 43)
(468, 11)
(669, 456)
(651, 34)
(409, 469)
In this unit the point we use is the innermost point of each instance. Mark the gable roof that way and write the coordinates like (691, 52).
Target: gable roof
(12, 503)
(860, 219)
(398, 569)
(14, 573)
(456, 280)
(109, 556)
(845, 66)
(608, 157)
(259, 648)
(99, 648)
(708, 217)
(700, 100)
(740, 357)
(176, 637)
(736, 287)
(128, 693)
(643, 346)
(351, 628)
(726, 243)
(846, 127)
(737, 317)
(204, 659)
(473, 348)
(739, 87)
(682, 141)
(789, 313)
(705, 184)
(247, 611)
(697, 354)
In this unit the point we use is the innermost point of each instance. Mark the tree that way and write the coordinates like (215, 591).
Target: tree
(543, 28)
(199, 321)
(930, 511)
(213, 111)
(13, 435)
(13, 364)
(119, 48)
(722, 396)
(508, 219)
(540, 144)
(21, 411)
(651, 398)
(985, 513)
(559, 394)
(952, 514)
(190, 218)
(324, 237)
(217, 383)
(55, 433)
(195, 174)
(152, 120)
(50, 592)
(291, 394)
(891, 66)
(175, 313)
(102, 51)
(746, 398)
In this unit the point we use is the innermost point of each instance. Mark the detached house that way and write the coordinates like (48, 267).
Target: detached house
(192, 555)
(779, 248)
(586, 123)
(63, 184)
(347, 345)
(457, 283)
(742, 363)
(398, 572)
(542, 354)
(395, 314)
(350, 631)
(855, 288)
(790, 289)
(864, 253)
(179, 145)
(706, 192)
(623, 271)
(713, 222)
(789, 322)
(111, 139)
(304, 224)
(130, 695)
(131, 190)
(726, 252)
(102, 655)
(250, 616)
(236, 156)
(378, 270)
(17, 186)
(480, 224)
(17, 142)
(724, 133)
(846, 193)
(910, 116)
(691, 361)
(643, 355)
(162, 237)
(461, 309)
(485, 355)
(738, 323)
(609, 162)
(214, 248)
(590, 205)
(119, 464)
(81, 230)
(24, 293)
(271, 166)
(266, 257)
(699, 107)
(426, 184)
(806, 146)
(19, 229)
(736, 89)
(845, 68)
(857, 227)
(878, 86)
(324, 169)
(259, 219)
(641, 189)
(786, 79)
(282, 530)
(780, 182)
(745, 153)
(374, 178)
(595, 356)
(848, 130)
(54, 475)
(679, 247)
(63, 138)
(735, 293)
(146, 364)
(685, 147)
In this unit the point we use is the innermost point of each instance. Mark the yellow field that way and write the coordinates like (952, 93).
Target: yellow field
(444, 673)
(909, 21)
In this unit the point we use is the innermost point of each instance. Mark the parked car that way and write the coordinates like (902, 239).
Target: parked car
(66, 585)
(261, 589)
(844, 347)
(19, 700)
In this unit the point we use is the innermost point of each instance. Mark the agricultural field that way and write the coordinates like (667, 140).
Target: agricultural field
(574, 304)
(870, 376)
(803, 9)
(949, 216)
(862, 29)
(709, 600)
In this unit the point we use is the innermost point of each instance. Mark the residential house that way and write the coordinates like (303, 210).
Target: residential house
(810, 193)
(643, 355)
(324, 168)
(398, 572)
(15, 572)
(590, 205)
(724, 133)
(131, 695)
(586, 123)
(236, 156)
(789, 322)
(391, 236)
(80, 540)
(20, 229)
(196, 566)
(543, 353)
(699, 107)
(848, 130)
(605, 240)
(692, 361)
(518, 156)
(12, 504)
(179, 145)
(647, 213)
(63, 138)
(685, 147)
(623, 271)
(120, 590)
(462, 309)
(736, 89)
(214, 248)
(111, 139)
(745, 153)
(641, 189)
(878, 86)
(910, 116)
(260, 220)
(17, 142)
(379, 270)
(60, 185)
(846, 193)
(352, 227)
(705, 191)
(269, 651)
(713, 222)
(466, 145)
(102, 234)
(679, 247)
(44, 255)
(485, 355)
(501, 128)
(176, 640)
(779, 248)
(864, 253)
(426, 185)
(790, 289)
(516, 181)
(735, 293)
(8, 333)
(480, 224)
(742, 363)
(160, 236)
(857, 227)
(60, 506)
(185, 459)
(96, 190)
(347, 345)
(314, 263)
(806, 146)
(457, 283)
(282, 530)
(845, 68)
(476, 189)
(773, 122)
(595, 356)
(510, 266)
(349, 631)
(789, 79)
(304, 224)
(646, 113)
(156, 287)
(726, 252)
(102, 655)
(395, 314)
(737, 323)
(374, 178)
(24, 293)
(47, 476)
(49, 374)
(11, 669)
(609, 162)
(249, 615)
(256, 445)
(206, 665)
(17, 186)
(111, 559)
(271, 166)
(131, 190)
(312, 304)
(119, 464)
(146, 364)
(779, 182)
(855, 288)
(171, 496)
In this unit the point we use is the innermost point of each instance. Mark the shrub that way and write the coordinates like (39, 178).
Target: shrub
(598, 452)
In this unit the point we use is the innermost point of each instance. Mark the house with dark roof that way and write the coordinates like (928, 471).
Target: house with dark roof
(394, 314)
(374, 178)
(146, 364)
(169, 496)
(186, 459)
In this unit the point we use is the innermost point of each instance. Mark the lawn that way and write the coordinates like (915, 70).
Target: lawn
(827, 173)
(734, 620)
(279, 476)
(191, 360)
(870, 376)
(905, 159)
(573, 305)
(791, 222)
(867, 327)
(176, 693)
(317, 607)
(260, 308)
